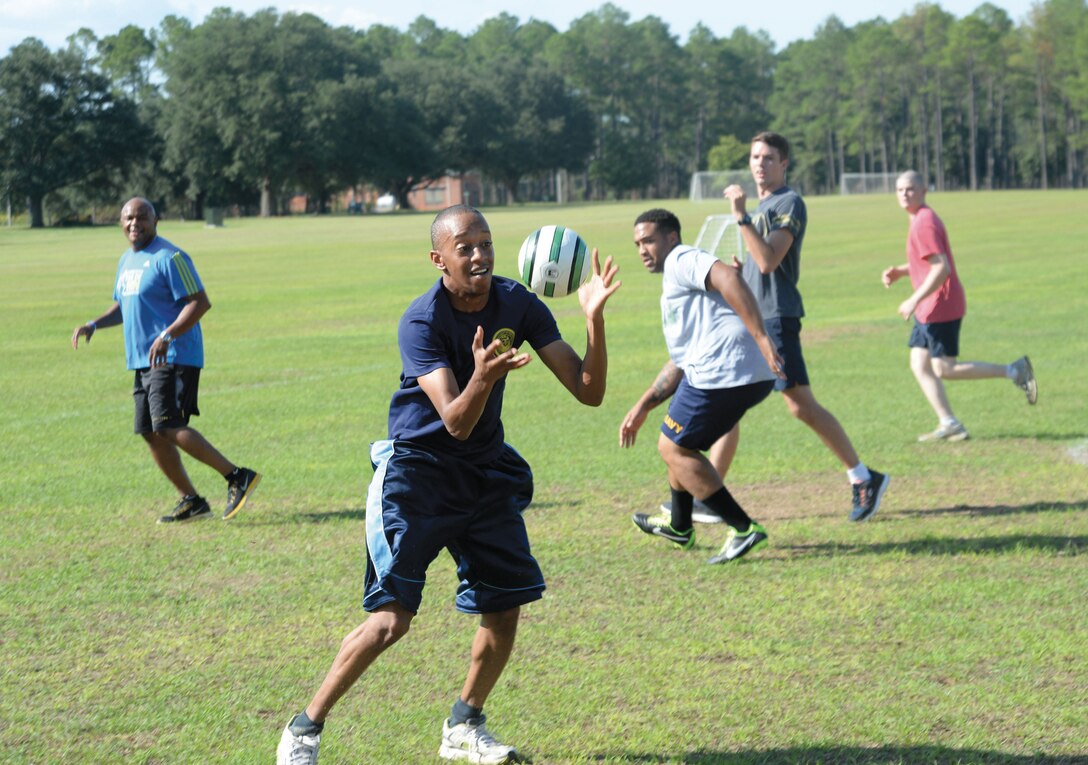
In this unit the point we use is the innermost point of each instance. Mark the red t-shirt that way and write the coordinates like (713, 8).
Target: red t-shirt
(927, 236)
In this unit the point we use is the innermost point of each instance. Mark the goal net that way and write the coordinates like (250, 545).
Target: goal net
(720, 236)
(867, 183)
(708, 185)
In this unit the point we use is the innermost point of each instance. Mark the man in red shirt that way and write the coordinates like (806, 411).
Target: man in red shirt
(938, 305)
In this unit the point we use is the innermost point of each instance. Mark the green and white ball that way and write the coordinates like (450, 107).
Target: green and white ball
(554, 261)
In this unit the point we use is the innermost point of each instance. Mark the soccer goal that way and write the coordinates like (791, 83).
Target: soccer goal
(867, 183)
(720, 236)
(708, 185)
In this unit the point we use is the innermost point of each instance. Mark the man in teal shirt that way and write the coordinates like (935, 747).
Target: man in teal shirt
(159, 299)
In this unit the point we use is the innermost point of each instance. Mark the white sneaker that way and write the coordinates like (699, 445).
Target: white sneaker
(700, 513)
(297, 750)
(953, 432)
(473, 743)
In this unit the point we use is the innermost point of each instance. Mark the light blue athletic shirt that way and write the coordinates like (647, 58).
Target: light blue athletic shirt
(153, 285)
(704, 335)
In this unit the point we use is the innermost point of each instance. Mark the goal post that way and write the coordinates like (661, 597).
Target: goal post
(708, 185)
(720, 236)
(867, 183)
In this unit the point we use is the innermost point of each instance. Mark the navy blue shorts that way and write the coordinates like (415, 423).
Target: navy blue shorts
(697, 418)
(785, 333)
(165, 397)
(421, 501)
(941, 338)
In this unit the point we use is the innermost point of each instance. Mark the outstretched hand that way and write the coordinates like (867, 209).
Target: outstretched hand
(595, 293)
(492, 363)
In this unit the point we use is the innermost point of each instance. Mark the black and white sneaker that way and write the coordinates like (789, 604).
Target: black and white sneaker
(194, 508)
(238, 490)
(738, 545)
(867, 495)
(661, 526)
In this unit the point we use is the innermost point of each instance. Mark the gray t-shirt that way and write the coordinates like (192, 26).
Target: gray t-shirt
(704, 335)
(777, 291)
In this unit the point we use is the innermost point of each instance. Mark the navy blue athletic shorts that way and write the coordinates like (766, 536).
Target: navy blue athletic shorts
(785, 333)
(941, 338)
(165, 397)
(697, 418)
(421, 501)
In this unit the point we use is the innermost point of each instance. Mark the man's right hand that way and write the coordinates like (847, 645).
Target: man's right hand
(83, 330)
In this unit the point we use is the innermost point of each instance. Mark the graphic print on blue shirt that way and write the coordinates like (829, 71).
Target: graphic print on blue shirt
(152, 286)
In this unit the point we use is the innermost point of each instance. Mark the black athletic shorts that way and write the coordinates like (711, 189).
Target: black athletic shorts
(785, 333)
(165, 397)
(941, 338)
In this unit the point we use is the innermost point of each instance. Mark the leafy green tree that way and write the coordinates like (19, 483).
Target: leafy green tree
(809, 97)
(731, 153)
(60, 123)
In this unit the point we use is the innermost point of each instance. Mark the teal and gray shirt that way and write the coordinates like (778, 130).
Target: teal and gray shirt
(777, 291)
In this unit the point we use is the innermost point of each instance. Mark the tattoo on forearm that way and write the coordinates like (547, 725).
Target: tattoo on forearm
(663, 386)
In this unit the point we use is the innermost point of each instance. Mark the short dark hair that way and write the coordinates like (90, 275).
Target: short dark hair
(438, 226)
(775, 141)
(661, 218)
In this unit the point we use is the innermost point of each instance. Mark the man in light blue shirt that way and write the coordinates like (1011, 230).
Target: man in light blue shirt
(721, 364)
(159, 299)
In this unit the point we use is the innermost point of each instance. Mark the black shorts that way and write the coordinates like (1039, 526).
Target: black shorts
(165, 397)
(941, 338)
(785, 333)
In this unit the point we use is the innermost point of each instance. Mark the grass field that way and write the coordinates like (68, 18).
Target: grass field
(952, 628)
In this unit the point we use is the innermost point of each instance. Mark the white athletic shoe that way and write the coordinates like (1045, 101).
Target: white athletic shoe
(297, 750)
(700, 513)
(475, 744)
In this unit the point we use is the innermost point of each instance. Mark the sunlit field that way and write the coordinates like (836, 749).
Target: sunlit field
(951, 628)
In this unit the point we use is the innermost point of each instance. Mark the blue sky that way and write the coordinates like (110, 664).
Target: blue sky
(53, 20)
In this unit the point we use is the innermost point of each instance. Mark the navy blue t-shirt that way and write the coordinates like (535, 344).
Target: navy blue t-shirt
(432, 335)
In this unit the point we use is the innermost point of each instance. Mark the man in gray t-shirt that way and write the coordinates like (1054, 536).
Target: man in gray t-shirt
(773, 238)
(721, 363)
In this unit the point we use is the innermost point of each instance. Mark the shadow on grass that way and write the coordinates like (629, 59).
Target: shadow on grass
(359, 513)
(912, 755)
(948, 546)
(988, 510)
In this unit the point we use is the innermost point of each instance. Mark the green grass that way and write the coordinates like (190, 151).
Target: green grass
(950, 629)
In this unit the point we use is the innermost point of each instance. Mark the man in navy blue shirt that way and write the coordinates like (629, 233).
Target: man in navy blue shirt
(446, 478)
(159, 298)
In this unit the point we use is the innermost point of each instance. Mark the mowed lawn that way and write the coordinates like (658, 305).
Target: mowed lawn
(951, 628)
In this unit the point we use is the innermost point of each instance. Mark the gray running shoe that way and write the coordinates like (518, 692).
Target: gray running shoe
(194, 508)
(955, 432)
(867, 496)
(1025, 378)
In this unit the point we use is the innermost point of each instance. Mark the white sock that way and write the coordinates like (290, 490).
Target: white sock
(949, 421)
(1010, 372)
(858, 474)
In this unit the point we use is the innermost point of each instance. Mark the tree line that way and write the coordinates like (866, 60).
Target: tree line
(250, 110)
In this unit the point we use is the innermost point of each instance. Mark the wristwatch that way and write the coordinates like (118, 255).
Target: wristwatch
(166, 337)
(745, 220)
